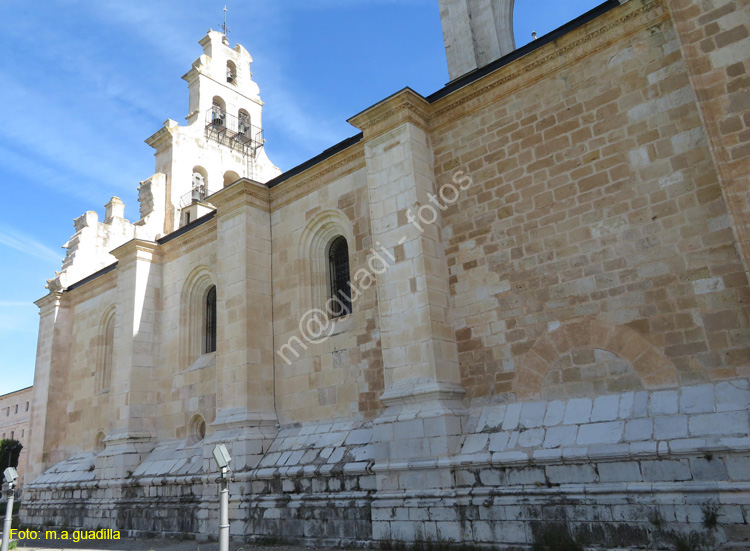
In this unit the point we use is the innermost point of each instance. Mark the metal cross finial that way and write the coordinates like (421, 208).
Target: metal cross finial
(224, 25)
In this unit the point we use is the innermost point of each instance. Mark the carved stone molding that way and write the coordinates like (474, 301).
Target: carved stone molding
(240, 193)
(137, 249)
(404, 106)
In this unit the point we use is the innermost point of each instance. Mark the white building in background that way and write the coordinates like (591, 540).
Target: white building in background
(15, 412)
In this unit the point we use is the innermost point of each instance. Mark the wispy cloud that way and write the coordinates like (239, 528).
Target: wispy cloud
(28, 245)
(71, 142)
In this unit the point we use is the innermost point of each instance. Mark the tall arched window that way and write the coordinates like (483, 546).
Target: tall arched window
(338, 276)
(106, 353)
(198, 320)
(210, 333)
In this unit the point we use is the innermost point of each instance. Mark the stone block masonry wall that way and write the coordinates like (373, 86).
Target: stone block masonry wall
(595, 197)
(715, 40)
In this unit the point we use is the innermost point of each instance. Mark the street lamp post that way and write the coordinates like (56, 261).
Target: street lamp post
(222, 458)
(11, 476)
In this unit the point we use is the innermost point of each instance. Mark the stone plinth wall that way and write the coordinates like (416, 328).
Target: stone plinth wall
(621, 470)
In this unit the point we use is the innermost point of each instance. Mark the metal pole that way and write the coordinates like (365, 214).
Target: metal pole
(223, 511)
(8, 518)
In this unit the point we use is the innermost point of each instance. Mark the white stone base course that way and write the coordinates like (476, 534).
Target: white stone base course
(623, 471)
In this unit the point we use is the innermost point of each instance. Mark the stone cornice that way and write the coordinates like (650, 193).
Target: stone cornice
(244, 192)
(569, 49)
(403, 106)
(163, 136)
(137, 249)
(343, 163)
(48, 302)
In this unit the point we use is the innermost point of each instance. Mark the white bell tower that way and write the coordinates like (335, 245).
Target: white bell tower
(223, 140)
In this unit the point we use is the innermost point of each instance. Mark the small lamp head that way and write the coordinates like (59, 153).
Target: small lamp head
(221, 456)
(11, 476)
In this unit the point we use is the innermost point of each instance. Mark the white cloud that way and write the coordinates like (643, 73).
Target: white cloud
(27, 245)
(67, 137)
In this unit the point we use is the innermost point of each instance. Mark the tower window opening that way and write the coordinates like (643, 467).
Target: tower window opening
(230, 177)
(199, 189)
(243, 122)
(231, 72)
(218, 112)
(338, 274)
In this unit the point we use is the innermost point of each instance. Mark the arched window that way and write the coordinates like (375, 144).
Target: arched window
(198, 320)
(231, 72)
(230, 177)
(243, 122)
(315, 247)
(199, 184)
(106, 353)
(338, 277)
(218, 112)
(210, 332)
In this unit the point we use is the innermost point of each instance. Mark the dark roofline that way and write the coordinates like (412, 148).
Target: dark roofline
(330, 152)
(92, 277)
(184, 229)
(15, 391)
(551, 36)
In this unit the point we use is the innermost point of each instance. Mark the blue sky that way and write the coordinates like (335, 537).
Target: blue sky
(85, 82)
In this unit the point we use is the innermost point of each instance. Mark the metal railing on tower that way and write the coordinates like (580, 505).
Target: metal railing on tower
(232, 131)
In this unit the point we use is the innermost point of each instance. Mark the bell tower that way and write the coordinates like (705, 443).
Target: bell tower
(220, 80)
(223, 139)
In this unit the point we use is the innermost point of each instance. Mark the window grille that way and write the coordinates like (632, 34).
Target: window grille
(210, 344)
(338, 263)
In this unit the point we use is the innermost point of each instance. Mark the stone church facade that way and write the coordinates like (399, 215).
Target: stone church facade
(518, 303)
